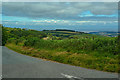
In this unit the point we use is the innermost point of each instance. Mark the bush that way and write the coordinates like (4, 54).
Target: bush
(31, 41)
(11, 40)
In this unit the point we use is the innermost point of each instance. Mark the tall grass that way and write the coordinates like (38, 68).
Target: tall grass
(100, 45)
(83, 60)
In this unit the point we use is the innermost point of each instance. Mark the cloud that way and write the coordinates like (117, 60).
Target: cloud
(58, 10)
(65, 24)
(60, 0)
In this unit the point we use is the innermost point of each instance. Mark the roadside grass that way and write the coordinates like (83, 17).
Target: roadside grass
(91, 60)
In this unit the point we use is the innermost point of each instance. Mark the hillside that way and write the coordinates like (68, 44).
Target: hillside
(79, 49)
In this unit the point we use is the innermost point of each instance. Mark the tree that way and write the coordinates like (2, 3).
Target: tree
(4, 36)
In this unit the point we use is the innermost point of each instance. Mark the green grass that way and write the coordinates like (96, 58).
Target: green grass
(80, 49)
(83, 60)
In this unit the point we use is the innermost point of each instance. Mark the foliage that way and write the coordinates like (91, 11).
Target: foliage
(4, 36)
(104, 45)
(86, 50)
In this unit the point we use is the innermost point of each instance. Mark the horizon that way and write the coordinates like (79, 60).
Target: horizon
(62, 29)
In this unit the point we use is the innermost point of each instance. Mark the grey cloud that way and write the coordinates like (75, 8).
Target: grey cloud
(106, 8)
(57, 10)
(61, 0)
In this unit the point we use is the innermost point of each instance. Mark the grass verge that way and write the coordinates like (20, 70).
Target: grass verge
(83, 60)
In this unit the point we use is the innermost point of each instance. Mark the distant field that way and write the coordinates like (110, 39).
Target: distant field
(69, 32)
(64, 34)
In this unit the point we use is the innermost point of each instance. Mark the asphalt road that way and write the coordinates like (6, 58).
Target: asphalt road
(15, 65)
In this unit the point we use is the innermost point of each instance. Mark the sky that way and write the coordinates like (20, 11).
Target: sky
(79, 16)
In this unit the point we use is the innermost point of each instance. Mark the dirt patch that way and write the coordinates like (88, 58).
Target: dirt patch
(60, 53)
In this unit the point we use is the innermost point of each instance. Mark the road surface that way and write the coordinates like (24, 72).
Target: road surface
(16, 65)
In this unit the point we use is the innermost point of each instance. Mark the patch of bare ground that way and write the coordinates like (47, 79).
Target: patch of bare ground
(61, 53)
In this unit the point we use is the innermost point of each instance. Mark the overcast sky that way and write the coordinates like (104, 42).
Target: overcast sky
(89, 16)
(60, 0)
